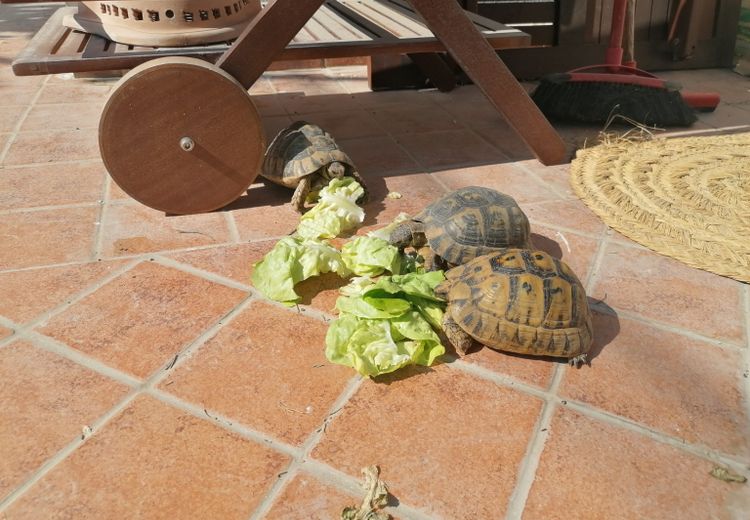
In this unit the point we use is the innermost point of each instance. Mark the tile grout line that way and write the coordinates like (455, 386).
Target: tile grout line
(552, 187)
(503, 154)
(503, 380)
(52, 462)
(33, 131)
(194, 248)
(563, 229)
(596, 266)
(206, 275)
(36, 209)
(52, 345)
(674, 329)
(17, 127)
(70, 301)
(145, 387)
(223, 422)
(320, 470)
(530, 463)
(28, 166)
(96, 253)
(142, 256)
(593, 279)
(624, 423)
(192, 347)
(344, 482)
(591, 411)
(298, 460)
(463, 124)
(234, 231)
(439, 182)
(228, 282)
(596, 413)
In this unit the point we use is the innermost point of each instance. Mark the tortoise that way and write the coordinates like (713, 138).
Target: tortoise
(521, 301)
(305, 157)
(463, 225)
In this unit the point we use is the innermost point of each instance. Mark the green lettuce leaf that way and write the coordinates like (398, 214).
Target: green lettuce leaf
(421, 285)
(372, 307)
(387, 324)
(291, 261)
(371, 256)
(357, 286)
(336, 212)
(374, 347)
(385, 232)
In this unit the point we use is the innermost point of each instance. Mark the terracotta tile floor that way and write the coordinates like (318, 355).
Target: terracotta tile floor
(143, 377)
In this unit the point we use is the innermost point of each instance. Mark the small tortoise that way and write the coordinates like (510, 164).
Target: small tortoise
(463, 225)
(305, 157)
(519, 301)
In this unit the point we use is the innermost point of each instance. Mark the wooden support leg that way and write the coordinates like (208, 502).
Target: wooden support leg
(266, 36)
(449, 23)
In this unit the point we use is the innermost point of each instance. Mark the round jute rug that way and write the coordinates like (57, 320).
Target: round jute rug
(688, 198)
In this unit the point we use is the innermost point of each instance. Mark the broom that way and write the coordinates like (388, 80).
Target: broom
(597, 93)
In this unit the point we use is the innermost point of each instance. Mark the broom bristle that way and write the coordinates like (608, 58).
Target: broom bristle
(597, 102)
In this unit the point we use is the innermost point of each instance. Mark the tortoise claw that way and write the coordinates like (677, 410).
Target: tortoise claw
(578, 360)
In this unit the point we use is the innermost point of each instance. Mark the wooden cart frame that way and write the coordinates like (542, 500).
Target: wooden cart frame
(431, 26)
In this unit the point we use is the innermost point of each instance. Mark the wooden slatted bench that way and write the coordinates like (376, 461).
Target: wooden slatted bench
(187, 112)
(339, 29)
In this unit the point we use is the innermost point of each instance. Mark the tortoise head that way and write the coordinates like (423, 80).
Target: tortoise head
(335, 170)
(409, 233)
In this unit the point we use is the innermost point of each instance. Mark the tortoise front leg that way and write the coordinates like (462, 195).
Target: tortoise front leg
(429, 260)
(434, 262)
(301, 193)
(456, 335)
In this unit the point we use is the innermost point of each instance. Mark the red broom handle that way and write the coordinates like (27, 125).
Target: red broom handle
(614, 52)
(628, 40)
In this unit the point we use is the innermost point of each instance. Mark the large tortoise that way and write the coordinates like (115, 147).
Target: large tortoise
(463, 225)
(305, 157)
(519, 301)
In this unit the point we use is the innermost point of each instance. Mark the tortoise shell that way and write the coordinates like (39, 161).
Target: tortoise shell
(521, 301)
(472, 222)
(300, 150)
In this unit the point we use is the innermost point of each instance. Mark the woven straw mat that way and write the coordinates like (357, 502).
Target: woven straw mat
(687, 198)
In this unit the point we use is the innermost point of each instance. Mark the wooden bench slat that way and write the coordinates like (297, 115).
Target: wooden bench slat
(396, 24)
(339, 27)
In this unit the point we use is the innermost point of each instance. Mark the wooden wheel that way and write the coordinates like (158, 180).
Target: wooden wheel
(181, 135)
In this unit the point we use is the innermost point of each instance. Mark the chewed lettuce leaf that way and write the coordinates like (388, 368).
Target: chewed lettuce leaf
(386, 324)
(373, 307)
(385, 232)
(374, 347)
(371, 256)
(291, 261)
(336, 212)
(357, 286)
(421, 285)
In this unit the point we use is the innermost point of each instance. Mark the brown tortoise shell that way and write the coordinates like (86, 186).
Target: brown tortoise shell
(472, 222)
(300, 150)
(521, 301)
